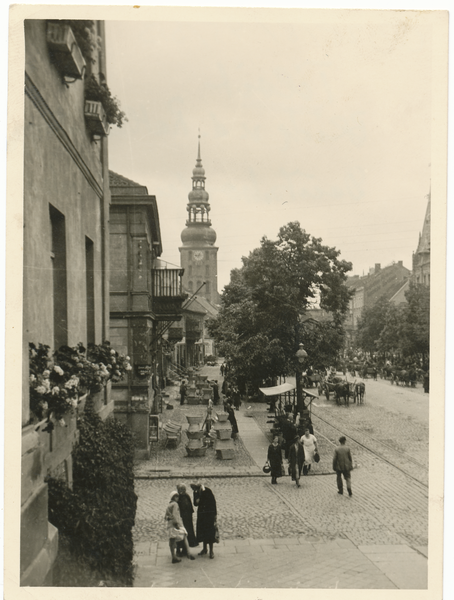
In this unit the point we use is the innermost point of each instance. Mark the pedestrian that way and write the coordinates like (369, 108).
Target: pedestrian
(183, 392)
(222, 370)
(216, 396)
(275, 459)
(288, 431)
(231, 416)
(296, 460)
(236, 398)
(343, 465)
(309, 442)
(175, 528)
(186, 512)
(209, 416)
(426, 382)
(206, 517)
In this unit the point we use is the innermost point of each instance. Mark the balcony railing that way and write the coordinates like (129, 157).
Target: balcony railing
(167, 294)
(167, 283)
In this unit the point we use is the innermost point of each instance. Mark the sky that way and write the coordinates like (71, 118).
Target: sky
(326, 123)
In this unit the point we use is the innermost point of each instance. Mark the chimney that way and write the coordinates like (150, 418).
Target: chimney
(377, 267)
(400, 263)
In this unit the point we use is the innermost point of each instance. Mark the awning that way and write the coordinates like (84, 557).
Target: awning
(278, 389)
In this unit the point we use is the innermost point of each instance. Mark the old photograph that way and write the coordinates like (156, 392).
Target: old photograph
(230, 229)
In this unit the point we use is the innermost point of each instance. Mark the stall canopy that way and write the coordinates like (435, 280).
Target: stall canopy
(283, 388)
(278, 389)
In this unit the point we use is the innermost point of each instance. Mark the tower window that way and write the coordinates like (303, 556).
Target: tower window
(190, 286)
(190, 254)
(207, 270)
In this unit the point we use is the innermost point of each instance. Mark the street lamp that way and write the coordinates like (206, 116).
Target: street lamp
(301, 356)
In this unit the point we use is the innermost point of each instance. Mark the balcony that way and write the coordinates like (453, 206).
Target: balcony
(167, 294)
(175, 334)
(64, 51)
(96, 119)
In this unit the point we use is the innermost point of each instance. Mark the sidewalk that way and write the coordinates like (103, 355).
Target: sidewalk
(297, 562)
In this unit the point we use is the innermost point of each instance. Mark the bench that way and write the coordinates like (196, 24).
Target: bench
(173, 433)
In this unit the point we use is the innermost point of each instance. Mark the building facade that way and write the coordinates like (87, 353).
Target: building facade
(198, 252)
(145, 299)
(66, 211)
(385, 282)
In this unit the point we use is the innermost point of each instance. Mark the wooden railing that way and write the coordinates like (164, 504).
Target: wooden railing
(167, 283)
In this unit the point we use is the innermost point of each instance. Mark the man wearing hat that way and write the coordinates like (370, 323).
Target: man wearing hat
(296, 460)
(175, 529)
(343, 465)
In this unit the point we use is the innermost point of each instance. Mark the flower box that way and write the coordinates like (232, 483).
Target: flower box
(95, 117)
(65, 52)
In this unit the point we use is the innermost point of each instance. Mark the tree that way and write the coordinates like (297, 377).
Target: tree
(260, 324)
(416, 322)
(371, 324)
(403, 329)
(390, 338)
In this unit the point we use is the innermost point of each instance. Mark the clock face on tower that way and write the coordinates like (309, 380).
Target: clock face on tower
(198, 255)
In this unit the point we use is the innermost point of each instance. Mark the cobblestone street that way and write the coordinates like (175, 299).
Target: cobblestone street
(388, 509)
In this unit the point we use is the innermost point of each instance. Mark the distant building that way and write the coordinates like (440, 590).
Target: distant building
(193, 341)
(388, 282)
(198, 252)
(421, 257)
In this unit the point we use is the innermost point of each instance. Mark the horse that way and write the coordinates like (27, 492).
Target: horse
(359, 393)
(343, 391)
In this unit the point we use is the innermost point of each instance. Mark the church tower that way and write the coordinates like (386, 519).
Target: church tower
(198, 252)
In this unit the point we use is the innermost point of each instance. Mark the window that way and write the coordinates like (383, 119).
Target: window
(190, 270)
(59, 284)
(207, 270)
(90, 290)
(190, 255)
(207, 288)
(190, 286)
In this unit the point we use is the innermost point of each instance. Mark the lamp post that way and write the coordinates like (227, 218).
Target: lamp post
(301, 356)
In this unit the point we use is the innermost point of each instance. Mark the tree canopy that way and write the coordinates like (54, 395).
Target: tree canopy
(402, 329)
(261, 322)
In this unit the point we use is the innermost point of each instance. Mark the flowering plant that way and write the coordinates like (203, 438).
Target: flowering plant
(57, 381)
(100, 92)
(52, 390)
(112, 364)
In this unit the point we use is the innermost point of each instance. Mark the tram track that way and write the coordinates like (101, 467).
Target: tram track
(392, 462)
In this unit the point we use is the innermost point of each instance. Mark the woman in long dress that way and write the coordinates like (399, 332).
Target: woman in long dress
(206, 517)
(309, 442)
(275, 459)
(186, 512)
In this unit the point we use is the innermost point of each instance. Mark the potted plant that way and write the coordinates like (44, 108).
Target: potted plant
(101, 108)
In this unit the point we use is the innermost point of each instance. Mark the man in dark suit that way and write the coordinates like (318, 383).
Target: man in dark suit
(343, 465)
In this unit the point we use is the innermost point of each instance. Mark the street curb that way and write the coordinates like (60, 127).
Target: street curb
(208, 475)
